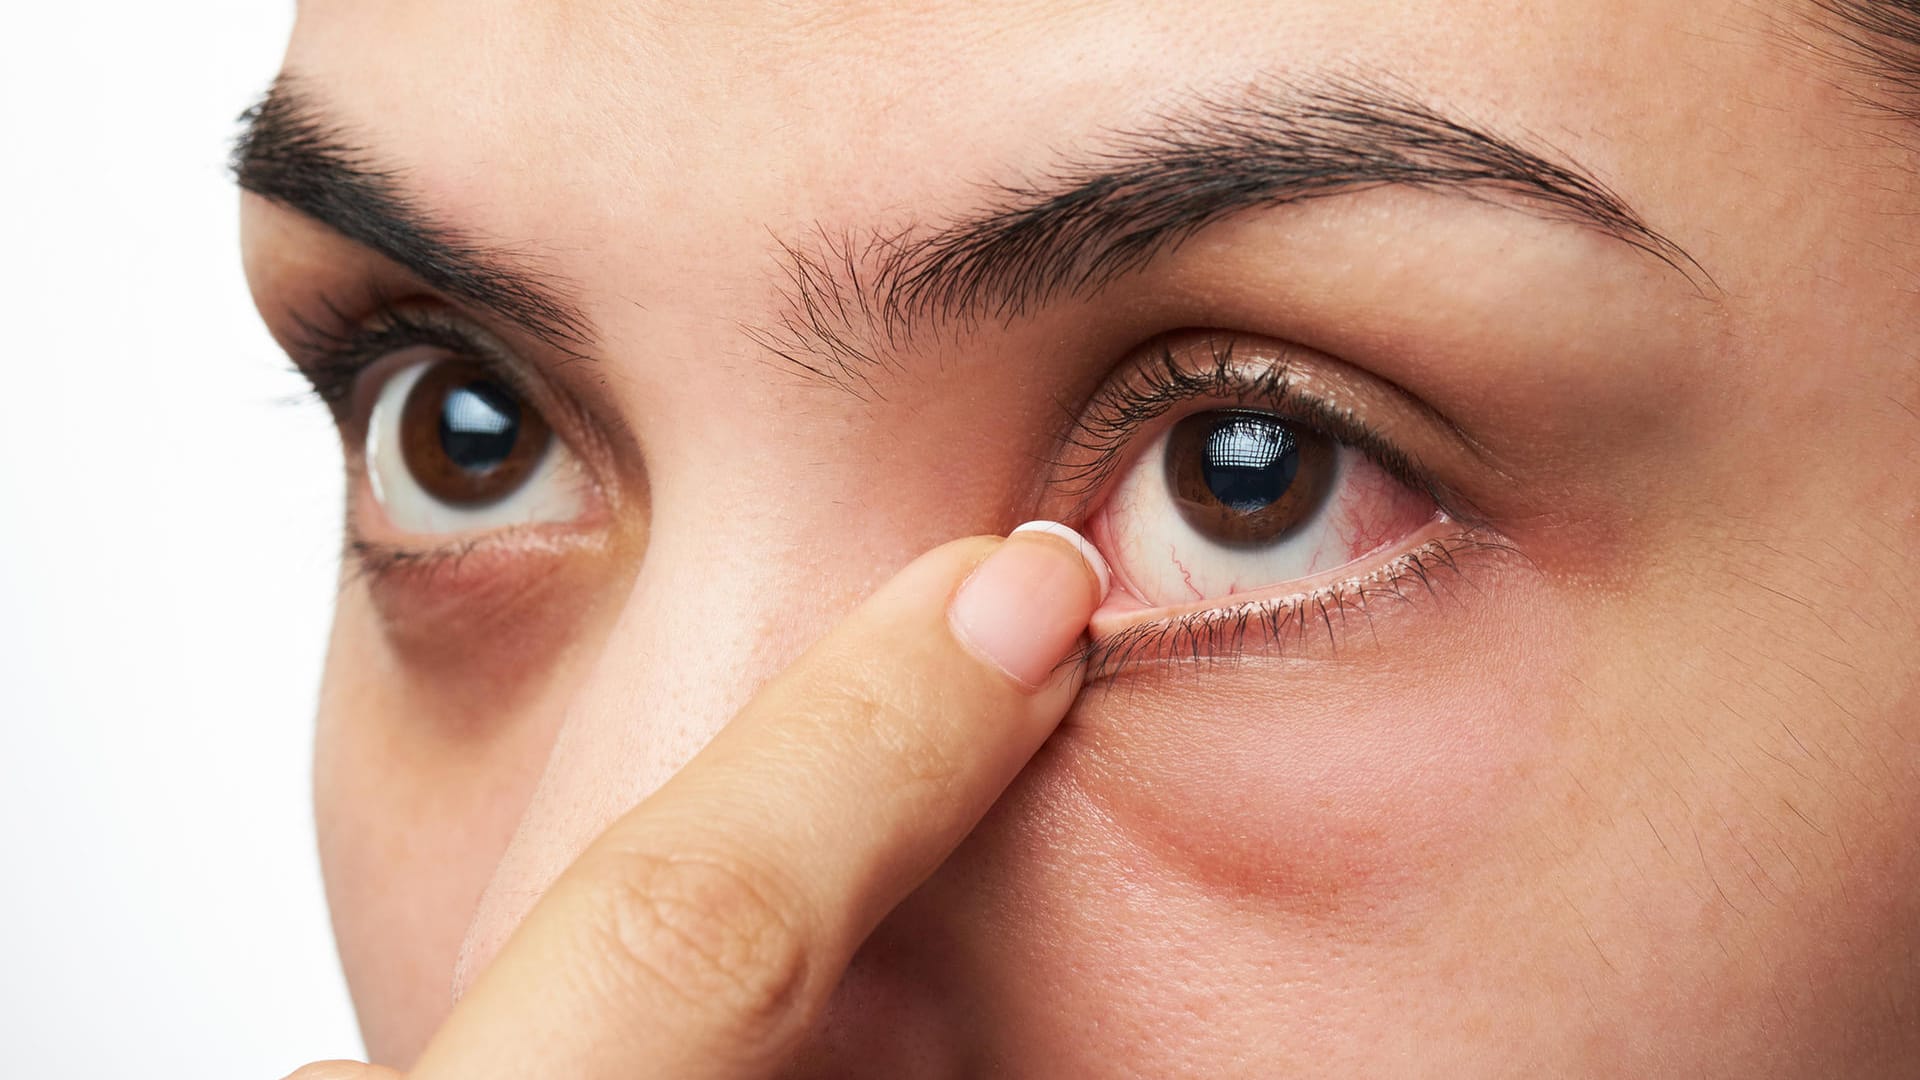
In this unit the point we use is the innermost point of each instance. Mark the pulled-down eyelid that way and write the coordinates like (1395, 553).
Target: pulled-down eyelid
(1423, 576)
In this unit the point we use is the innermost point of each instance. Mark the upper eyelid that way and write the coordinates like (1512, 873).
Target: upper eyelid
(335, 330)
(335, 349)
(337, 354)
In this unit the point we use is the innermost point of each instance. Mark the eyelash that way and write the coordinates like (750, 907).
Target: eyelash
(332, 360)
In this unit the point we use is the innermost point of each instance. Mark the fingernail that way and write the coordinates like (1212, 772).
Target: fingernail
(1025, 606)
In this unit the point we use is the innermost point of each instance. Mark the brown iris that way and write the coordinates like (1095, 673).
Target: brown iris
(467, 438)
(1246, 479)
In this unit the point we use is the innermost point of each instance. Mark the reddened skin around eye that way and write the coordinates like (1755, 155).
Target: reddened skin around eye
(1329, 781)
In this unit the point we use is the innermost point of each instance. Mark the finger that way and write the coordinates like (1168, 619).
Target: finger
(702, 933)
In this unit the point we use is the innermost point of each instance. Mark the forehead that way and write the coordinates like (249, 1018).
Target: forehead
(794, 110)
(660, 154)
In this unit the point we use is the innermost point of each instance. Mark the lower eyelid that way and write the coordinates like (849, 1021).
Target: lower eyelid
(467, 613)
(1125, 631)
(377, 550)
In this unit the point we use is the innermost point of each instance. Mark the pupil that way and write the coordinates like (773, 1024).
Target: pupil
(1249, 462)
(479, 423)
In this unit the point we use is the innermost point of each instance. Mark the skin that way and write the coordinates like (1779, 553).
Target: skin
(1632, 795)
(687, 940)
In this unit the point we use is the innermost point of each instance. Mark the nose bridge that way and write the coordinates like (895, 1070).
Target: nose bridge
(773, 511)
(715, 610)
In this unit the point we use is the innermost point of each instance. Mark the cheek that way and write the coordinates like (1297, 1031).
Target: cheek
(424, 761)
(1291, 862)
(1358, 768)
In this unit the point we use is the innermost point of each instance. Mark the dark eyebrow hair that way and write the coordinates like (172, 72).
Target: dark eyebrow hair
(848, 302)
(288, 153)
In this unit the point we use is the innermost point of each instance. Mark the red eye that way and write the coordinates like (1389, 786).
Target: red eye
(1240, 501)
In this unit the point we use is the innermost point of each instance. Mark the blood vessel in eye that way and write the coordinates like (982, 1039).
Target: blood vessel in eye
(1378, 511)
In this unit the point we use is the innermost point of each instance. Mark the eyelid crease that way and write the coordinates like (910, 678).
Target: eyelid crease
(1285, 380)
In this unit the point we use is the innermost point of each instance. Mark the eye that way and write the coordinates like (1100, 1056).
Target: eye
(452, 448)
(1242, 500)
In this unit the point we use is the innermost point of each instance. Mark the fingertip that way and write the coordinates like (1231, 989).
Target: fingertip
(1024, 608)
(1096, 563)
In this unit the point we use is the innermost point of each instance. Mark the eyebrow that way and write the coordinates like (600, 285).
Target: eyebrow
(848, 303)
(289, 154)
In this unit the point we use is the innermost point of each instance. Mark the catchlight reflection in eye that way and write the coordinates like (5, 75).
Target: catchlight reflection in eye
(1239, 500)
(450, 448)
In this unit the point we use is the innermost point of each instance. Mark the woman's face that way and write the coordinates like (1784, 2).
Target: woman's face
(1502, 419)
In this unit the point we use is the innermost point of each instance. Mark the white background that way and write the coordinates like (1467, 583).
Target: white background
(168, 529)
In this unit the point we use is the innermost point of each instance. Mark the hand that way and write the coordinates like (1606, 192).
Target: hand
(702, 934)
